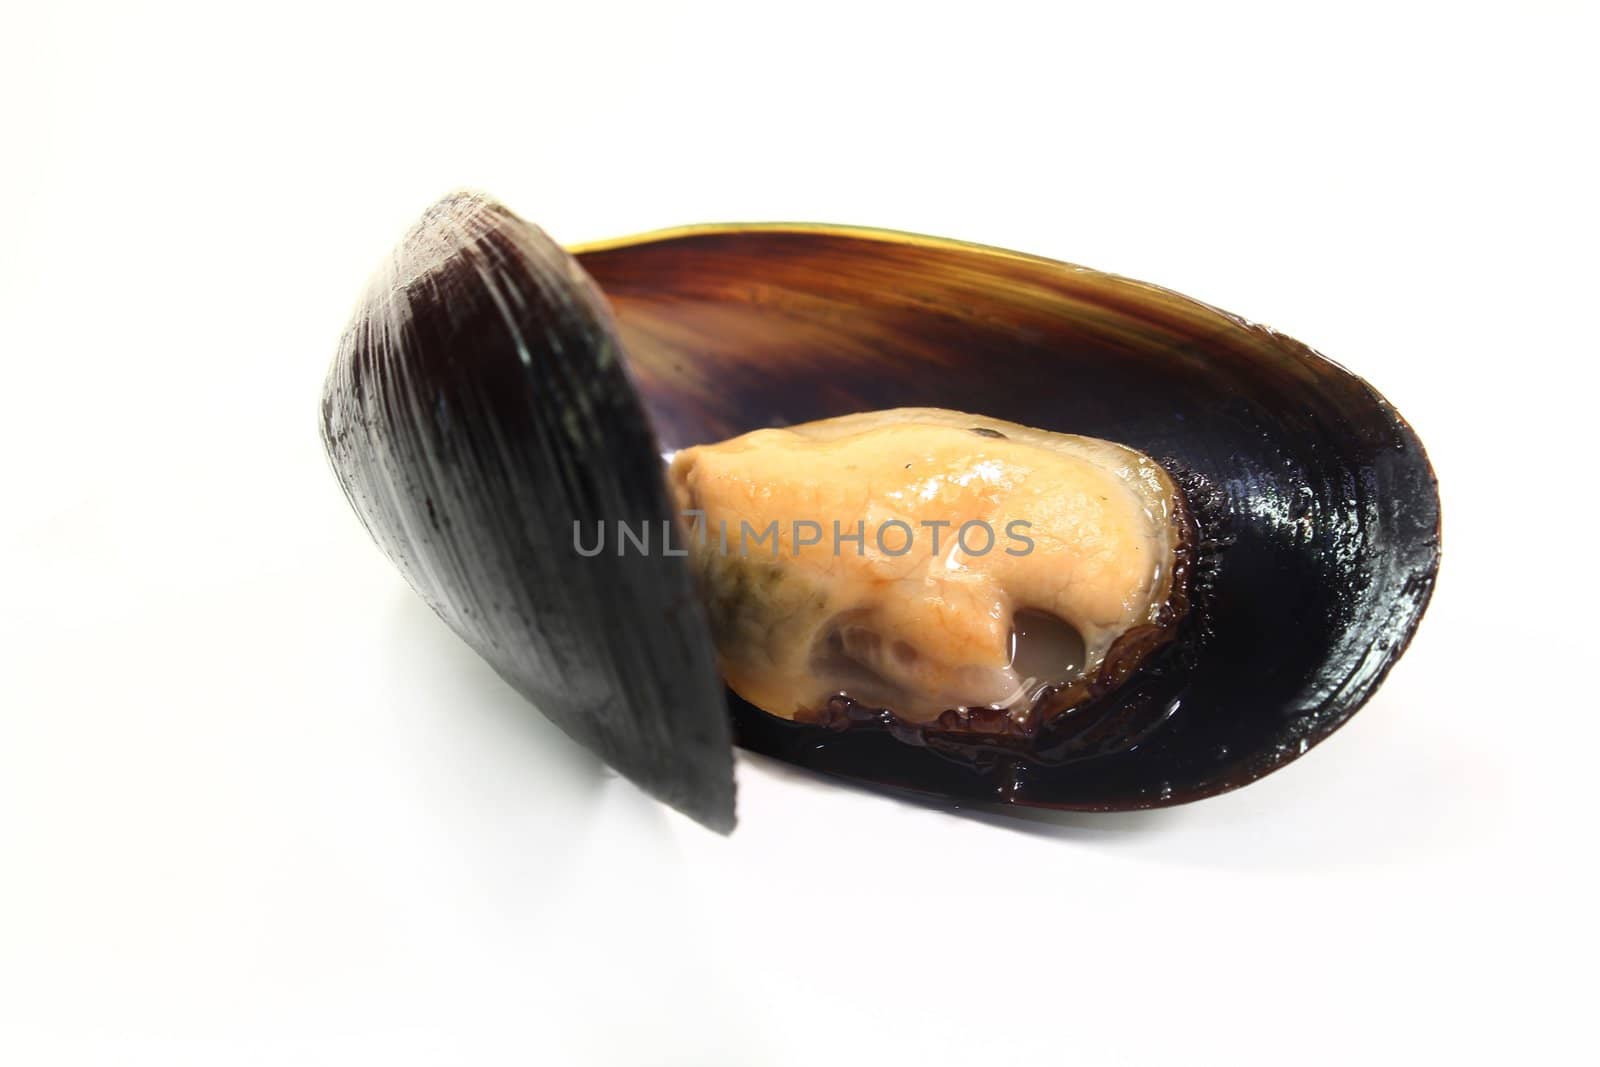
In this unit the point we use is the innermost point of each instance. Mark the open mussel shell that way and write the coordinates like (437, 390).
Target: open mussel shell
(482, 401)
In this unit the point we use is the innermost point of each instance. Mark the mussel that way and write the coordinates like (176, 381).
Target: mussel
(498, 404)
(945, 570)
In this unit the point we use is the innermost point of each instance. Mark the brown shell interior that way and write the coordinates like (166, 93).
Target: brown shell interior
(1315, 508)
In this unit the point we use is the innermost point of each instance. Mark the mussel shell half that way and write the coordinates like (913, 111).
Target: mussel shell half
(478, 406)
(1317, 505)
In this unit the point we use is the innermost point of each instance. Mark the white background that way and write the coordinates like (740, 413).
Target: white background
(257, 805)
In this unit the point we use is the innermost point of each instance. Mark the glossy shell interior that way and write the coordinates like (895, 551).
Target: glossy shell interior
(1318, 511)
